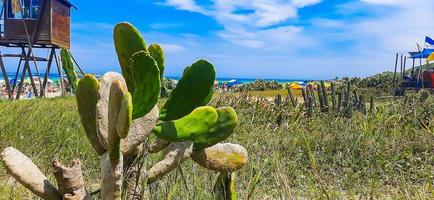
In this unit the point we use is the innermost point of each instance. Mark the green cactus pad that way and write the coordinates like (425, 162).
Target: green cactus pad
(125, 116)
(157, 53)
(225, 126)
(194, 89)
(116, 98)
(198, 122)
(87, 97)
(68, 66)
(146, 77)
(128, 41)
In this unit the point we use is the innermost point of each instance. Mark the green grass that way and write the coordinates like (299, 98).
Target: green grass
(385, 155)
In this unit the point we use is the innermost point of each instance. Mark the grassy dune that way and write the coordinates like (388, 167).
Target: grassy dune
(389, 154)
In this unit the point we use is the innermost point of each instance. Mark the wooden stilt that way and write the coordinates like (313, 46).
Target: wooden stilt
(78, 66)
(41, 91)
(5, 77)
(60, 72)
(26, 68)
(47, 72)
(405, 65)
(32, 81)
(412, 69)
(17, 72)
(23, 76)
(394, 74)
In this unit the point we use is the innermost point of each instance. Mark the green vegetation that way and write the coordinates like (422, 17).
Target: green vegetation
(107, 110)
(388, 154)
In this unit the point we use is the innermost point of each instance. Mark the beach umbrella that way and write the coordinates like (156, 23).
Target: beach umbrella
(430, 57)
(295, 86)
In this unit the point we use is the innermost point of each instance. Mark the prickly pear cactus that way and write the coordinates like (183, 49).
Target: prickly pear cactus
(221, 157)
(226, 123)
(157, 53)
(128, 41)
(194, 89)
(198, 122)
(28, 174)
(147, 83)
(119, 103)
(68, 66)
(224, 188)
(118, 114)
(87, 98)
(140, 128)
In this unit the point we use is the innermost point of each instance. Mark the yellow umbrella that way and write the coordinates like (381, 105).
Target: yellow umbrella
(295, 86)
(430, 57)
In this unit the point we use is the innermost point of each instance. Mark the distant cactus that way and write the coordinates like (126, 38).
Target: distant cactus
(68, 66)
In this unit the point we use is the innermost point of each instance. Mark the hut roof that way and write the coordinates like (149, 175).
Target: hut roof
(68, 3)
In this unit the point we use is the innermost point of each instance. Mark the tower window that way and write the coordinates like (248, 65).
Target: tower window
(23, 9)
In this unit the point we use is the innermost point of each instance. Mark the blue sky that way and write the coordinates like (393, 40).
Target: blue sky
(286, 39)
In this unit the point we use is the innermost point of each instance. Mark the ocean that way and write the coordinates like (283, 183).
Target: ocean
(233, 81)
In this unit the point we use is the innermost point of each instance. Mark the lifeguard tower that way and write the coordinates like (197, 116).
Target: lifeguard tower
(29, 24)
(420, 77)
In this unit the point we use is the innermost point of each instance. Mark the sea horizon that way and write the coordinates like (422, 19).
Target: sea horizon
(238, 80)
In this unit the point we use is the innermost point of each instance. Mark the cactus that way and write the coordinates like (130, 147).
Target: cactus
(333, 94)
(112, 174)
(305, 100)
(128, 41)
(87, 97)
(147, 83)
(224, 188)
(119, 116)
(291, 97)
(68, 66)
(140, 128)
(310, 107)
(325, 98)
(28, 174)
(226, 123)
(194, 89)
(198, 122)
(321, 100)
(347, 95)
(372, 105)
(70, 181)
(158, 54)
(176, 153)
(221, 157)
(158, 145)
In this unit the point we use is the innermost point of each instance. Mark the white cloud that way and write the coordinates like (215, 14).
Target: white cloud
(387, 2)
(188, 5)
(172, 48)
(251, 29)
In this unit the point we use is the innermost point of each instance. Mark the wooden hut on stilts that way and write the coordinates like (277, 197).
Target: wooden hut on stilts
(26, 25)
